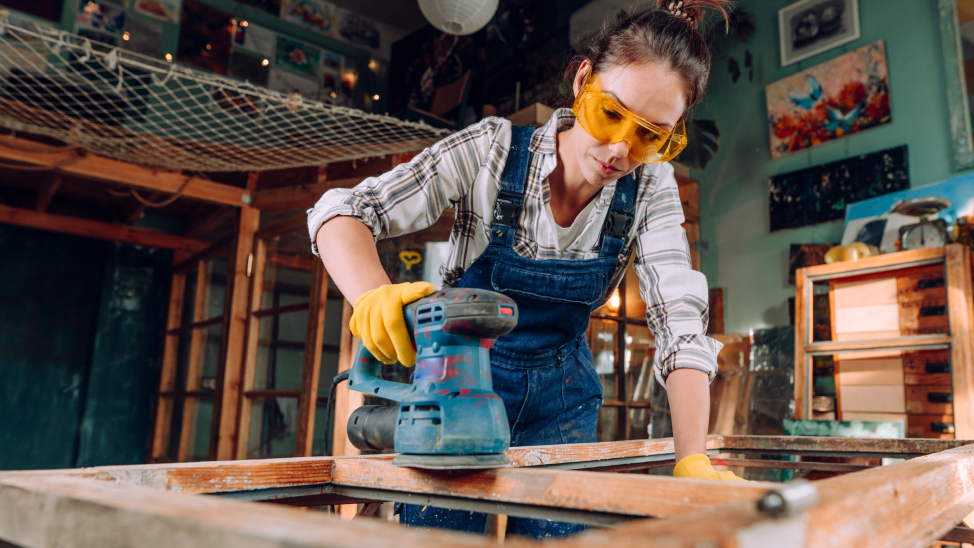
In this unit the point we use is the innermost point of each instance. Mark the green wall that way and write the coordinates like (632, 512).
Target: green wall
(743, 256)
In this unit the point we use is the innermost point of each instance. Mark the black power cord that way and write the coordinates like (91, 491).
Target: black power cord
(343, 376)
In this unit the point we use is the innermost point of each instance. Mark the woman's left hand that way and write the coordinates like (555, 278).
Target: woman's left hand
(698, 466)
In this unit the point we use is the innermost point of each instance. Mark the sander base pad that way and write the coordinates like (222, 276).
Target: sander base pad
(452, 462)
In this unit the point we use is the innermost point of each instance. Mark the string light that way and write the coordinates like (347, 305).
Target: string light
(373, 64)
(169, 57)
(334, 95)
(614, 301)
(125, 36)
(265, 62)
(244, 24)
(375, 97)
(209, 47)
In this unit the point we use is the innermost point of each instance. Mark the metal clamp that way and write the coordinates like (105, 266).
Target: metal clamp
(506, 210)
(789, 500)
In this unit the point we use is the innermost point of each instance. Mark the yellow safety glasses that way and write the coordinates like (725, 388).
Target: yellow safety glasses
(607, 121)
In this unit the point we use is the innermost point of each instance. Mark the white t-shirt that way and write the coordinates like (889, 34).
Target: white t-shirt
(567, 236)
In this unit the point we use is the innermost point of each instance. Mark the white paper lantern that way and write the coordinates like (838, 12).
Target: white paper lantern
(458, 17)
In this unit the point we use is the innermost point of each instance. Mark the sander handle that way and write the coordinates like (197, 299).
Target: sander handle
(366, 376)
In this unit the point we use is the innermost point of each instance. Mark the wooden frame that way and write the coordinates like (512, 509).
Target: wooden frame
(912, 503)
(957, 264)
(958, 108)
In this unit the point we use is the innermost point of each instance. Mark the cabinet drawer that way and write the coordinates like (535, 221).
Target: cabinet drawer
(927, 367)
(929, 399)
(930, 426)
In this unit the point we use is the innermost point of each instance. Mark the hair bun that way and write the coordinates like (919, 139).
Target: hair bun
(692, 11)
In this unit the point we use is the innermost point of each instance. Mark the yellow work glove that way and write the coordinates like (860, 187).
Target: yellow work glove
(698, 466)
(378, 320)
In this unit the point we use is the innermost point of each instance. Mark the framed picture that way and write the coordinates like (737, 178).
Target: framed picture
(809, 27)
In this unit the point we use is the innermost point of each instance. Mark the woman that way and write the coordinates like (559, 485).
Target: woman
(550, 217)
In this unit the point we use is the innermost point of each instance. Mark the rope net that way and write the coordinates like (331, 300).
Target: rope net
(146, 111)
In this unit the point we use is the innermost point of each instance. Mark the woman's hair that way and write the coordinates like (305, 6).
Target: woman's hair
(666, 34)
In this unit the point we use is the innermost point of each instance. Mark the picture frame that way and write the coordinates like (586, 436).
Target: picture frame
(809, 27)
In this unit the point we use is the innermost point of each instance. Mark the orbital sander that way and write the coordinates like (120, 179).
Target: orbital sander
(449, 417)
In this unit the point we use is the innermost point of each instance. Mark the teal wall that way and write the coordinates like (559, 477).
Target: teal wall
(743, 256)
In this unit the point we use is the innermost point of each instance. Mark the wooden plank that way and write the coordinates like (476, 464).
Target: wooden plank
(343, 403)
(800, 444)
(95, 229)
(689, 198)
(162, 414)
(880, 344)
(294, 224)
(300, 196)
(715, 298)
(202, 226)
(312, 360)
(226, 413)
(803, 333)
(635, 495)
(46, 191)
(251, 344)
(889, 261)
(98, 168)
(960, 310)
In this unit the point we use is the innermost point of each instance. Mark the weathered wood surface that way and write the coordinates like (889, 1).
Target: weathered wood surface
(635, 495)
(799, 444)
(961, 314)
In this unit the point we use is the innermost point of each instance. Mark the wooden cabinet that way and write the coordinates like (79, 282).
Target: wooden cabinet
(901, 341)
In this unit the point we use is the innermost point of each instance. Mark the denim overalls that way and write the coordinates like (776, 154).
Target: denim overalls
(543, 369)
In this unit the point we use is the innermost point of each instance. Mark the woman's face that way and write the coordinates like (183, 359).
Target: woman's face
(648, 90)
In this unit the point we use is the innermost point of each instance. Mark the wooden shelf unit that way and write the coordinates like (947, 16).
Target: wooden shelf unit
(957, 337)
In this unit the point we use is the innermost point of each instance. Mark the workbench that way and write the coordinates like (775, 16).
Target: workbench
(245, 503)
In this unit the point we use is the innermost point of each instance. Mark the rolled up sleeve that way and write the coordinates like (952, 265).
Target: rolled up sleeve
(412, 196)
(675, 294)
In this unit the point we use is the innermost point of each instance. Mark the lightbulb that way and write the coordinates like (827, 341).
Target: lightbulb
(375, 97)
(372, 64)
(244, 23)
(614, 302)
(265, 62)
(334, 95)
(169, 57)
(209, 47)
(125, 36)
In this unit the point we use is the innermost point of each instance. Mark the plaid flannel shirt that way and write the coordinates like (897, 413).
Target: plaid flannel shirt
(463, 172)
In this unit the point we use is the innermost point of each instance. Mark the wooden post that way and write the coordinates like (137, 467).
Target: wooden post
(959, 290)
(225, 413)
(346, 401)
(803, 326)
(312, 359)
(167, 374)
(252, 336)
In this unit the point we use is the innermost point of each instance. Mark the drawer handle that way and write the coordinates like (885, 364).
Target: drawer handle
(940, 397)
(933, 368)
(930, 283)
(933, 311)
(942, 427)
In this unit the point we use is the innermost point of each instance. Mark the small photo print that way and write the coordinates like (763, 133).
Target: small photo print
(809, 27)
(100, 16)
(297, 57)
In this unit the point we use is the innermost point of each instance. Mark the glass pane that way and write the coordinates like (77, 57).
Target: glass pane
(209, 364)
(216, 287)
(273, 427)
(321, 430)
(602, 340)
(332, 334)
(189, 297)
(287, 274)
(280, 351)
(607, 424)
(329, 368)
(201, 411)
(639, 353)
(821, 313)
(182, 360)
(175, 428)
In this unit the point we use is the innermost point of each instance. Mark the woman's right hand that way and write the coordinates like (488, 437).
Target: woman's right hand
(378, 320)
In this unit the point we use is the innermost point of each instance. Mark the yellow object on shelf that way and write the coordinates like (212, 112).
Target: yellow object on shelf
(835, 254)
(854, 252)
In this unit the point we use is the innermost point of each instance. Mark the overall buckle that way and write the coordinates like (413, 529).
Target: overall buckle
(506, 210)
(618, 224)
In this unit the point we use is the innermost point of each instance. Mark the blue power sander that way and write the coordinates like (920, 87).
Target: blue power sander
(449, 418)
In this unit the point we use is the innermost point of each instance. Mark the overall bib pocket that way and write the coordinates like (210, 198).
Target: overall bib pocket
(587, 289)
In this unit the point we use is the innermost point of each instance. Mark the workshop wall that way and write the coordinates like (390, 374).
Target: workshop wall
(743, 256)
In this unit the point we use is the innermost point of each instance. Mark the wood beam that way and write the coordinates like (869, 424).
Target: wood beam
(96, 229)
(314, 337)
(959, 313)
(225, 417)
(298, 197)
(46, 191)
(197, 227)
(98, 168)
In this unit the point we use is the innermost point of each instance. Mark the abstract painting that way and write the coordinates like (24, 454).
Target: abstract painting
(101, 17)
(314, 14)
(835, 99)
(810, 27)
(164, 10)
(820, 194)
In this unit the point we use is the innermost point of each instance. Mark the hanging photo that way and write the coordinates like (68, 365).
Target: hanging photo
(360, 31)
(289, 83)
(297, 57)
(315, 14)
(249, 67)
(256, 39)
(810, 27)
(101, 17)
(163, 10)
(840, 97)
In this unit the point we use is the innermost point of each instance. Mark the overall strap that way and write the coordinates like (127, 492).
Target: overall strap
(619, 219)
(510, 197)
